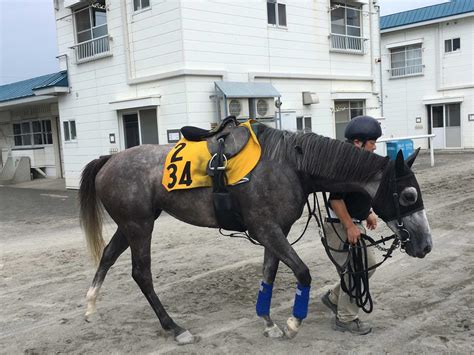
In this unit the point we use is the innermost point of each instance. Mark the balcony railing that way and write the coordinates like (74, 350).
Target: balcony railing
(347, 44)
(407, 71)
(92, 49)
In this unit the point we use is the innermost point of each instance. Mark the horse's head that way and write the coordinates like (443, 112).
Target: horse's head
(399, 203)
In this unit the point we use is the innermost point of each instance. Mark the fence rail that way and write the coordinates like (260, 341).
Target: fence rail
(429, 136)
(345, 43)
(93, 48)
(405, 71)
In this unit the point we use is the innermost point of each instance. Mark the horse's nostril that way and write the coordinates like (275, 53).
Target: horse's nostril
(427, 249)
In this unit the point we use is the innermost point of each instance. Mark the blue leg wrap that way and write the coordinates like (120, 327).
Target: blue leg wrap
(264, 299)
(300, 308)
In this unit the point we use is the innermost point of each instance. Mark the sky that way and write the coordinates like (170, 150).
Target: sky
(28, 35)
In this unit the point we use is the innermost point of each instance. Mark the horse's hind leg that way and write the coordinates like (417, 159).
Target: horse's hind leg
(270, 268)
(117, 245)
(140, 241)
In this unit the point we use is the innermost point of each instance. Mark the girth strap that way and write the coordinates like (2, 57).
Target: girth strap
(226, 207)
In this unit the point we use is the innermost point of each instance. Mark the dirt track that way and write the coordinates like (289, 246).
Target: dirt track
(209, 283)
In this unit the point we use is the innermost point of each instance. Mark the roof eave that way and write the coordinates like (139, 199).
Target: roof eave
(53, 90)
(27, 100)
(426, 23)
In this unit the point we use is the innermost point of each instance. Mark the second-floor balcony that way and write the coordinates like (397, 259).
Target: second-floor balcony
(407, 71)
(347, 44)
(93, 49)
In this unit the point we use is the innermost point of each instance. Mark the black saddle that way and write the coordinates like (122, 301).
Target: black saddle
(235, 137)
(197, 134)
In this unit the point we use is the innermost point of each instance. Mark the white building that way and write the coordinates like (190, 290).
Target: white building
(428, 73)
(139, 70)
(29, 125)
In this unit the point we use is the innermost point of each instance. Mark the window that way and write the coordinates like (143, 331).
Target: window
(276, 13)
(140, 128)
(91, 30)
(406, 60)
(140, 4)
(452, 45)
(32, 133)
(346, 28)
(345, 111)
(69, 128)
(303, 123)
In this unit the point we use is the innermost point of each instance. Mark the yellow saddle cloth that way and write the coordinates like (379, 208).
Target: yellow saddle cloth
(186, 163)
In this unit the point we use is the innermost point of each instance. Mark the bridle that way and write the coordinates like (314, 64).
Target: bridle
(403, 234)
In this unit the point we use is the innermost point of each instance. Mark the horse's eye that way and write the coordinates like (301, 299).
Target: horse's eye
(408, 196)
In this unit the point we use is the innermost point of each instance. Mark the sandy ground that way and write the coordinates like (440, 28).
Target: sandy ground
(209, 283)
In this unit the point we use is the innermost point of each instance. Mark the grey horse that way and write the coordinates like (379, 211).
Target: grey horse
(292, 166)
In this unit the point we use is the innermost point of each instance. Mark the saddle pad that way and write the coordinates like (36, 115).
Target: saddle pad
(186, 163)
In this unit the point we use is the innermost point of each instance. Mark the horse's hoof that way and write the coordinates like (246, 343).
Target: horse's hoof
(273, 331)
(292, 327)
(186, 338)
(90, 317)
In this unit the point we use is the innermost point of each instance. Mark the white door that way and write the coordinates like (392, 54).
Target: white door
(453, 125)
(437, 126)
(288, 120)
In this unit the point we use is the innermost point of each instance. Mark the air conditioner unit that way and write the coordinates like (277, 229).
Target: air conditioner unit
(262, 108)
(236, 107)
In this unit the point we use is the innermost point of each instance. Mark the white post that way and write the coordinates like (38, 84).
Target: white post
(432, 151)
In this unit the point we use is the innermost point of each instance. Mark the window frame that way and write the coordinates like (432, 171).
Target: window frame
(346, 6)
(352, 105)
(277, 14)
(32, 134)
(141, 8)
(139, 112)
(304, 124)
(451, 45)
(346, 42)
(67, 133)
(405, 49)
(90, 10)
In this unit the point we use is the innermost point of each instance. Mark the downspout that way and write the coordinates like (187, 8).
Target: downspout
(123, 8)
(381, 98)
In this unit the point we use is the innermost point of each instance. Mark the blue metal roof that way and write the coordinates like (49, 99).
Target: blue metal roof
(433, 12)
(25, 88)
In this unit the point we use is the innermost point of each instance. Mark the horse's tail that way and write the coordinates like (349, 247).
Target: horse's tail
(91, 209)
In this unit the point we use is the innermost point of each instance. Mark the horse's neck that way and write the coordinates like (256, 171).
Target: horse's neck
(370, 187)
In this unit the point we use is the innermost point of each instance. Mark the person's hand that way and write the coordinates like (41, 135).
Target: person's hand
(371, 221)
(353, 234)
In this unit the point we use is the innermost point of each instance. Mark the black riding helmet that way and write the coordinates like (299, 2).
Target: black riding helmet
(363, 128)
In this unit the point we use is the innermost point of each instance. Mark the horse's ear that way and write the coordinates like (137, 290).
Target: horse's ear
(399, 163)
(298, 149)
(411, 159)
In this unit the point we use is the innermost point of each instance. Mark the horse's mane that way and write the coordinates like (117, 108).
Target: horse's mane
(320, 156)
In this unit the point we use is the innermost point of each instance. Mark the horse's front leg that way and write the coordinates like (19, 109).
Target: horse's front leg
(264, 299)
(274, 240)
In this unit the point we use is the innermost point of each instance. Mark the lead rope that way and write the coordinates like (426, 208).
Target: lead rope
(356, 264)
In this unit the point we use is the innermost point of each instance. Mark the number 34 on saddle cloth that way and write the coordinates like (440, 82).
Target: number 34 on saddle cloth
(186, 164)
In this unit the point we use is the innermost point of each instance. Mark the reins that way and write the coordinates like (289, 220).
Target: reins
(356, 265)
